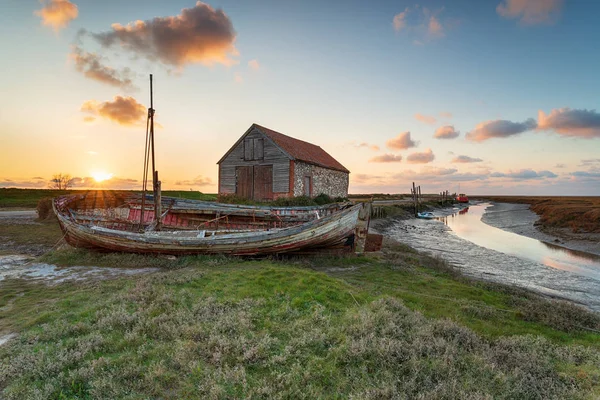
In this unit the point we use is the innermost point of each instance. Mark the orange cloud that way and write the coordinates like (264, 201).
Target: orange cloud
(530, 12)
(89, 118)
(435, 27)
(57, 13)
(386, 158)
(373, 147)
(122, 110)
(427, 119)
(446, 132)
(91, 66)
(399, 20)
(421, 158)
(199, 34)
(401, 142)
(569, 122)
(445, 114)
(421, 23)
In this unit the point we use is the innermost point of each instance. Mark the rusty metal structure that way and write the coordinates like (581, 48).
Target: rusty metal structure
(109, 221)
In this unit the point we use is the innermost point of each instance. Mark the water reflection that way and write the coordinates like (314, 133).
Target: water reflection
(467, 224)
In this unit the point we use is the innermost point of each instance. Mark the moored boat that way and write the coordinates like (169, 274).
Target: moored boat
(462, 198)
(114, 227)
(425, 215)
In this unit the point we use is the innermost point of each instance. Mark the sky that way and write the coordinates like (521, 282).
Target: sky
(483, 97)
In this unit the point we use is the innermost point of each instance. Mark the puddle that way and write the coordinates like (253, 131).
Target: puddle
(486, 252)
(23, 267)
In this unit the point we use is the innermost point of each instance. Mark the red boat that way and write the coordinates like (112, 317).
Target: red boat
(462, 198)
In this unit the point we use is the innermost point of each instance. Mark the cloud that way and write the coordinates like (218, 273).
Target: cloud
(254, 65)
(427, 119)
(57, 13)
(373, 147)
(421, 158)
(446, 132)
(420, 22)
(386, 158)
(123, 110)
(465, 159)
(569, 122)
(36, 182)
(89, 118)
(90, 65)
(586, 174)
(524, 174)
(199, 34)
(445, 114)
(559, 166)
(111, 183)
(197, 181)
(590, 161)
(530, 12)
(499, 129)
(401, 142)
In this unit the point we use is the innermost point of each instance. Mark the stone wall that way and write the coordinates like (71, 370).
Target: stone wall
(331, 182)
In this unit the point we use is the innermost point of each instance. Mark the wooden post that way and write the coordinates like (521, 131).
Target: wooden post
(414, 193)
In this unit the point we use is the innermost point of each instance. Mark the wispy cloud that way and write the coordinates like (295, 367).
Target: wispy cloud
(524, 174)
(427, 119)
(36, 182)
(91, 66)
(499, 129)
(421, 158)
(446, 132)
(253, 64)
(570, 122)
(123, 110)
(531, 12)
(445, 114)
(560, 166)
(57, 13)
(199, 34)
(199, 180)
(386, 158)
(401, 142)
(365, 145)
(465, 159)
(420, 22)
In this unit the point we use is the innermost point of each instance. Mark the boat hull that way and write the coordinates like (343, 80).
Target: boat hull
(333, 230)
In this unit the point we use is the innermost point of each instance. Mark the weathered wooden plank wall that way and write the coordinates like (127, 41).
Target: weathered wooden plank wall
(272, 155)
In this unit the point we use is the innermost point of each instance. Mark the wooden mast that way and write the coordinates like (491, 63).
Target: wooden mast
(156, 185)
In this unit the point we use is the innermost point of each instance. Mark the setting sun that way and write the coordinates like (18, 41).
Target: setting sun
(101, 176)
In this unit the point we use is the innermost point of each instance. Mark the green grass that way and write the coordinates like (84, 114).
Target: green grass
(400, 325)
(28, 198)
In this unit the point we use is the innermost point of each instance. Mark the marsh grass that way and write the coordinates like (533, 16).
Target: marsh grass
(396, 325)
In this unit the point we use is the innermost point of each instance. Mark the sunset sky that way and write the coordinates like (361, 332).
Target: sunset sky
(499, 96)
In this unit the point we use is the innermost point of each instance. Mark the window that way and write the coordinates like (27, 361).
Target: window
(254, 149)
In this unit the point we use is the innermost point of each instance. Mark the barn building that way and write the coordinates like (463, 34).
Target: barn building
(266, 165)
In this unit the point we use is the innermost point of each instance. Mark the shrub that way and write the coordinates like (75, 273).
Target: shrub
(44, 208)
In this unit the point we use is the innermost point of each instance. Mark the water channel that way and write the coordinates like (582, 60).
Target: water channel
(486, 252)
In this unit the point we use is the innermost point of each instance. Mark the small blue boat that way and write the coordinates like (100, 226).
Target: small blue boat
(425, 215)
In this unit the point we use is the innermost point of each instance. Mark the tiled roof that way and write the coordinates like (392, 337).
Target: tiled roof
(301, 150)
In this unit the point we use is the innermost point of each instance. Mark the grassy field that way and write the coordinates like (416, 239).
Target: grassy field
(400, 324)
(580, 214)
(28, 198)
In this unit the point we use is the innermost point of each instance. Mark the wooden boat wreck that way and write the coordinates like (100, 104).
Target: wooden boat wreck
(111, 222)
(128, 222)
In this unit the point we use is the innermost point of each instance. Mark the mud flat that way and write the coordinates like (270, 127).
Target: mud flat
(519, 219)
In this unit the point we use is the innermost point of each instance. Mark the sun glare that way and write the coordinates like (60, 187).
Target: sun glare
(101, 176)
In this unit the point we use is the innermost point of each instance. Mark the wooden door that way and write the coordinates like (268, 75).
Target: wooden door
(307, 186)
(263, 182)
(243, 182)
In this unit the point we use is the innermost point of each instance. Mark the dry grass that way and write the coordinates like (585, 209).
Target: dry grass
(191, 334)
(580, 214)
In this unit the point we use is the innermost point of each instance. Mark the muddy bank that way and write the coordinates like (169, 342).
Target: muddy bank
(463, 240)
(519, 219)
